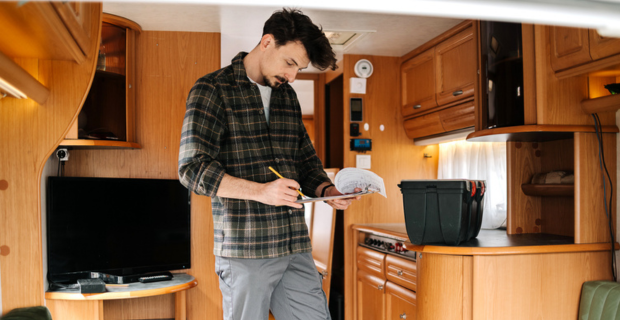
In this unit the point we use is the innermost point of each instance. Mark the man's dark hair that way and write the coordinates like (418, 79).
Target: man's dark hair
(292, 25)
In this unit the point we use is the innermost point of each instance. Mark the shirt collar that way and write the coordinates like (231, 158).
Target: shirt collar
(239, 72)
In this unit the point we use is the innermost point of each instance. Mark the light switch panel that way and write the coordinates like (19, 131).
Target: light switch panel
(362, 161)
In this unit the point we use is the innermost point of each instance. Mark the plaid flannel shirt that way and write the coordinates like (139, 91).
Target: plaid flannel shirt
(225, 131)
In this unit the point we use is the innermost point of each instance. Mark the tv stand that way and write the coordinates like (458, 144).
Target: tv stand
(71, 304)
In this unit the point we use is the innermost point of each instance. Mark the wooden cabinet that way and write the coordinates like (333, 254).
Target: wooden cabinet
(400, 303)
(456, 67)
(449, 119)
(370, 296)
(442, 74)
(418, 83)
(602, 47)
(569, 47)
(77, 18)
(107, 118)
(371, 261)
(402, 272)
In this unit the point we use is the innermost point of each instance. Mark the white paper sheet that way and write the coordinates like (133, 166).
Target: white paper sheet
(348, 179)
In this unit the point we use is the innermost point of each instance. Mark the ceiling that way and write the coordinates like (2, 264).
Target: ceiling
(395, 26)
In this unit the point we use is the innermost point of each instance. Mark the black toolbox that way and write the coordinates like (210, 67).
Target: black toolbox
(442, 211)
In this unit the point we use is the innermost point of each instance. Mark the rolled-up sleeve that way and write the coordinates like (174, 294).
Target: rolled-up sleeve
(201, 138)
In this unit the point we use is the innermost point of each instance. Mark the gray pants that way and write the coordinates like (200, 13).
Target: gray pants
(290, 286)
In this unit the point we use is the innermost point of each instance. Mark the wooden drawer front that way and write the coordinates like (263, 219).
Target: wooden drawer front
(401, 271)
(400, 303)
(425, 125)
(569, 47)
(418, 83)
(371, 261)
(456, 63)
(602, 47)
(458, 117)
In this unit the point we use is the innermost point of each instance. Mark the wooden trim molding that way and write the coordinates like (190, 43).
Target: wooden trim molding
(121, 22)
(602, 104)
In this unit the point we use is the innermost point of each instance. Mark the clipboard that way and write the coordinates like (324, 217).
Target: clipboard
(343, 196)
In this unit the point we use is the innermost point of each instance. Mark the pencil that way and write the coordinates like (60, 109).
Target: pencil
(281, 177)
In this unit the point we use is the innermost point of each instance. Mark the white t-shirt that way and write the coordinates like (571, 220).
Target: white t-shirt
(265, 94)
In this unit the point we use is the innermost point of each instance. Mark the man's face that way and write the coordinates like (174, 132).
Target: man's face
(281, 64)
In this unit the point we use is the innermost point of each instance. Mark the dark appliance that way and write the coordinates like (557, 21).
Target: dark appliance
(502, 73)
(116, 226)
(442, 211)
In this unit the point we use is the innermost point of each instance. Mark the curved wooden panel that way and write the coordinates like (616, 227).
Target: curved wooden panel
(30, 133)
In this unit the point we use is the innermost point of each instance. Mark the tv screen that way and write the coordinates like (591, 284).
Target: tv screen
(116, 226)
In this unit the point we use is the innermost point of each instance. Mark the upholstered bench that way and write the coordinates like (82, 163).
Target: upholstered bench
(600, 300)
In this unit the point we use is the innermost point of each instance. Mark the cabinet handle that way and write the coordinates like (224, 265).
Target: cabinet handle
(399, 272)
(324, 274)
(457, 93)
(417, 106)
(403, 316)
(380, 287)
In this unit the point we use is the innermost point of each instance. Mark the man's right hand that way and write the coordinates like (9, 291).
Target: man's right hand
(280, 192)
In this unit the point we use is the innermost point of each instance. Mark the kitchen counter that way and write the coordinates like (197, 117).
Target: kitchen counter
(488, 242)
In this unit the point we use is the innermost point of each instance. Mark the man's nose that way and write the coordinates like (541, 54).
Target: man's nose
(290, 76)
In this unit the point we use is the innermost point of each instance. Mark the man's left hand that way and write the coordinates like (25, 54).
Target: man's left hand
(340, 204)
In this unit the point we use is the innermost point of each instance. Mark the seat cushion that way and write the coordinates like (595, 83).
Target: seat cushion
(30, 313)
(600, 300)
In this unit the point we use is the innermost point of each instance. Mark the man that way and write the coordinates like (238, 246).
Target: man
(241, 120)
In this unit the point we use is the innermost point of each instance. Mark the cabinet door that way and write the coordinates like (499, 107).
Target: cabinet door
(569, 47)
(418, 81)
(456, 67)
(458, 117)
(77, 17)
(425, 125)
(400, 303)
(370, 296)
(602, 47)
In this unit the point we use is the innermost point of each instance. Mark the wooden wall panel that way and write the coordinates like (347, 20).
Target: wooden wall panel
(393, 155)
(521, 164)
(440, 290)
(76, 310)
(168, 64)
(590, 220)
(557, 213)
(540, 286)
(30, 132)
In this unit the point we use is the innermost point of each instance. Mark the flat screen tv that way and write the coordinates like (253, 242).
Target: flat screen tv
(116, 226)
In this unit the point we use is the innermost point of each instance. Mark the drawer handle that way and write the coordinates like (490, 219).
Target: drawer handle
(399, 272)
(457, 93)
(403, 316)
(324, 274)
(417, 106)
(380, 287)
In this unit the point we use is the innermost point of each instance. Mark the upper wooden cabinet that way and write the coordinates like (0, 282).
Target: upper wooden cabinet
(46, 30)
(418, 81)
(456, 67)
(603, 47)
(107, 118)
(569, 47)
(442, 74)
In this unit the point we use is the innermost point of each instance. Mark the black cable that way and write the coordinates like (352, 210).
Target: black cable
(58, 171)
(601, 154)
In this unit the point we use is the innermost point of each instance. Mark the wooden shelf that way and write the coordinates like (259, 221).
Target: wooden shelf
(179, 282)
(533, 133)
(601, 104)
(549, 190)
(107, 144)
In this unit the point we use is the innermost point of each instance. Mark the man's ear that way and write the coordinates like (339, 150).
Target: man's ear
(266, 41)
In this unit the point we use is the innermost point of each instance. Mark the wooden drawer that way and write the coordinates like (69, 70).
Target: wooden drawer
(458, 117)
(371, 261)
(401, 271)
(425, 125)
